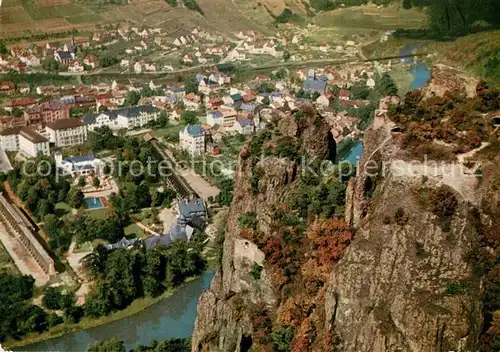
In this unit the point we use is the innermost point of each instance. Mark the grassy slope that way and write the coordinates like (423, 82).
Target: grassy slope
(478, 53)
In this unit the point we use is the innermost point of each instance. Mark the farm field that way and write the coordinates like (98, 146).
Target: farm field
(371, 17)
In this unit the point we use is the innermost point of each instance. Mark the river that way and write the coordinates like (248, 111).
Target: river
(173, 317)
(420, 73)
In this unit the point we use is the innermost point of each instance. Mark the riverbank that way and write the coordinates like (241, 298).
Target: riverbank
(135, 307)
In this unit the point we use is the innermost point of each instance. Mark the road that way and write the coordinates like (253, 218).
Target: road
(297, 64)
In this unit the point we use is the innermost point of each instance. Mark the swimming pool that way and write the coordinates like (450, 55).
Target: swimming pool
(94, 203)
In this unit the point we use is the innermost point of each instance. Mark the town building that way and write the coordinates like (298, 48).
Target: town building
(9, 139)
(32, 144)
(129, 118)
(67, 132)
(192, 139)
(46, 113)
(79, 165)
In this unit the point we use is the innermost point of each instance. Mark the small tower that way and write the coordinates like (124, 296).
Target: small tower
(58, 158)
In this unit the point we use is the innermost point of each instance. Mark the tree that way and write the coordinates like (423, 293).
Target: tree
(75, 198)
(82, 182)
(52, 298)
(132, 98)
(286, 55)
(162, 120)
(96, 182)
(191, 85)
(3, 48)
(386, 86)
(189, 118)
(106, 61)
(50, 65)
(113, 345)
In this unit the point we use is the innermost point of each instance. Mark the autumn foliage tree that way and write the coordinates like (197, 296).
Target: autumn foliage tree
(330, 239)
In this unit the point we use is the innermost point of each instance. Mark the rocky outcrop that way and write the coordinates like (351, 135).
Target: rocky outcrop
(224, 321)
(449, 79)
(404, 284)
(393, 289)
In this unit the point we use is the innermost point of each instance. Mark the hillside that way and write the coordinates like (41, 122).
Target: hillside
(411, 266)
(478, 53)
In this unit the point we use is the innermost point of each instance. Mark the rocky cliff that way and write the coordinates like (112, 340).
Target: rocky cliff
(404, 283)
(226, 311)
(395, 288)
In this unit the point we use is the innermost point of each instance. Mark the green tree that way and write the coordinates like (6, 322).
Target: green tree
(75, 198)
(3, 48)
(286, 55)
(191, 85)
(82, 182)
(52, 298)
(113, 345)
(189, 118)
(96, 182)
(132, 98)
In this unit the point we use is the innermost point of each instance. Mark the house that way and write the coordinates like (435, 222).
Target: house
(22, 103)
(213, 103)
(67, 132)
(47, 90)
(129, 118)
(19, 66)
(314, 86)
(7, 88)
(192, 139)
(75, 66)
(178, 92)
(101, 87)
(93, 121)
(323, 101)
(192, 101)
(370, 83)
(213, 149)
(96, 37)
(79, 165)
(32, 144)
(9, 139)
(344, 94)
(187, 59)
(125, 62)
(138, 67)
(46, 113)
(64, 57)
(24, 88)
(150, 67)
(244, 126)
(324, 47)
(30, 60)
(214, 118)
(91, 61)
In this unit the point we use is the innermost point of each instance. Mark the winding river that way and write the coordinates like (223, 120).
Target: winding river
(173, 317)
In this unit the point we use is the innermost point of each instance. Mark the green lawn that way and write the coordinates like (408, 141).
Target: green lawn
(83, 247)
(134, 229)
(90, 17)
(62, 209)
(99, 213)
(172, 130)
